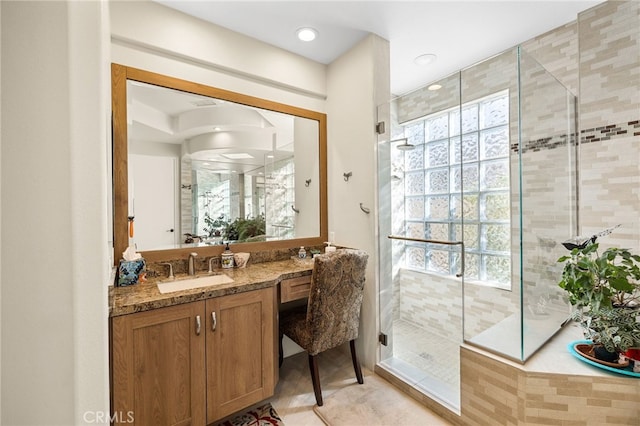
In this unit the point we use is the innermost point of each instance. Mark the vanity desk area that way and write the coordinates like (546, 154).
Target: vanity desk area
(209, 351)
(230, 167)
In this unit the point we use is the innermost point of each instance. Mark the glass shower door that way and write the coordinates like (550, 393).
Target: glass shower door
(420, 207)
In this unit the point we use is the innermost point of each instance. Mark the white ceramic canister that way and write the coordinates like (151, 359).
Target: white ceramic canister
(227, 258)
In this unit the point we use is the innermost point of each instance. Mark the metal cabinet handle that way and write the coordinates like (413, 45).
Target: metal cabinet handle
(214, 322)
(197, 325)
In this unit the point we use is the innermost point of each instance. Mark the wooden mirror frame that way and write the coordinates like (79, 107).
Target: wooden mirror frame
(119, 76)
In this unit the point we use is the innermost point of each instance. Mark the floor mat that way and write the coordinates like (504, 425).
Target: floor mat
(264, 415)
(376, 402)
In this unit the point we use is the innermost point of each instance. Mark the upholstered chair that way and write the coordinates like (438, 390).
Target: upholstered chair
(332, 315)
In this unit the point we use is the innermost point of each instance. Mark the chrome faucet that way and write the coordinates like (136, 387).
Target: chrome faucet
(192, 263)
(214, 259)
(171, 276)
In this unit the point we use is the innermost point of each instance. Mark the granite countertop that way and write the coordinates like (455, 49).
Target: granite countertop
(145, 295)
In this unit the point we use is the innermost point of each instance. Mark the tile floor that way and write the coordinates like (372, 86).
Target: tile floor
(294, 399)
(429, 362)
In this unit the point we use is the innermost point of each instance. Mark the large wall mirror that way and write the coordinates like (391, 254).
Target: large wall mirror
(195, 167)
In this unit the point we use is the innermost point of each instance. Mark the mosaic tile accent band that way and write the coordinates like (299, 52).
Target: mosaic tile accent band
(598, 134)
(604, 133)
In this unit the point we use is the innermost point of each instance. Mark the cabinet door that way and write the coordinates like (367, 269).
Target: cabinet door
(158, 362)
(241, 365)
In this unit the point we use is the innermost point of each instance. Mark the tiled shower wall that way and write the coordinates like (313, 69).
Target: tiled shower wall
(597, 58)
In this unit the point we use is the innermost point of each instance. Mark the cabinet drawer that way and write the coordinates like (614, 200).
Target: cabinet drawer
(295, 288)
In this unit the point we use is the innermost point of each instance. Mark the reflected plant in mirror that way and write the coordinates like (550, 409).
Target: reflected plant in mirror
(206, 166)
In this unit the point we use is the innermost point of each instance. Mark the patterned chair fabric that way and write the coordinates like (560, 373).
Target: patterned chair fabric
(332, 315)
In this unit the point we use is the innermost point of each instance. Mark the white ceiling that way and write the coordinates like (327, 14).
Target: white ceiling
(460, 33)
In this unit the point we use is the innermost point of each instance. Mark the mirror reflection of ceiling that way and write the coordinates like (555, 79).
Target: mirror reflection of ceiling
(218, 135)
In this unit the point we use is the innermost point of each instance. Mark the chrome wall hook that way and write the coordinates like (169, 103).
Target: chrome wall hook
(364, 209)
(294, 209)
(347, 176)
(307, 182)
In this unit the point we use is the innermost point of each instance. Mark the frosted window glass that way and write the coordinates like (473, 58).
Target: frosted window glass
(467, 151)
(416, 257)
(469, 120)
(470, 147)
(495, 142)
(496, 237)
(414, 159)
(438, 261)
(437, 154)
(438, 231)
(415, 133)
(414, 208)
(438, 181)
(469, 208)
(471, 265)
(470, 237)
(495, 174)
(414, 183)
(494, 112)
(454, 122)
(465, 179)
(437, 127)
(496, 206)
(438, 208)
(415, 230)
(497, 268)
(462, 156)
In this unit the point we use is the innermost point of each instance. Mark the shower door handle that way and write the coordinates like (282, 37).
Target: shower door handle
(446, 243)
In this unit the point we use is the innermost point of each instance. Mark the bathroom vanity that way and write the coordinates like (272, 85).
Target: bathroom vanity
(196, 356)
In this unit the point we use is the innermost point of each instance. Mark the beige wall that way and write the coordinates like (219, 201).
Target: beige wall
(357, 82)
(54, 180)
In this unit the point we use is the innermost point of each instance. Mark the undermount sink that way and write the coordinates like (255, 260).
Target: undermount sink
(190, 283)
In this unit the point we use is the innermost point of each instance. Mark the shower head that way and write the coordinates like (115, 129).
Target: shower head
(405, 145)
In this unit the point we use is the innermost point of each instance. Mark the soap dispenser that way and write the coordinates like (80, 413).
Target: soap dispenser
(302, 253)
(227, 258)
(329, 248)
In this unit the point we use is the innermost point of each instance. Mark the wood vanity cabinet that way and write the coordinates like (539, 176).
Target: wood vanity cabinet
(194, 363)
(241, 351)
(157, 366)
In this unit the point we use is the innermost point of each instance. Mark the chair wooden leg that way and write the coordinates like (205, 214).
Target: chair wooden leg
(356, 364)
(315, 379)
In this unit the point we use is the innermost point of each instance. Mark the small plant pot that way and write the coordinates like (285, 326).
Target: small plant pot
(601, 353)
(587, 351)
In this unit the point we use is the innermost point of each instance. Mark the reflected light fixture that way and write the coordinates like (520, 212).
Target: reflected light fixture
(425, 59)
(434, 87)
(306, 34)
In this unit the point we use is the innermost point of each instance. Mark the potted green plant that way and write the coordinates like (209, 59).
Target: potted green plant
(214, 227)
(604, 290)
(243, 229)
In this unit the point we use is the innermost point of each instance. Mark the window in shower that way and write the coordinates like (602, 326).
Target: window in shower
(457, 187)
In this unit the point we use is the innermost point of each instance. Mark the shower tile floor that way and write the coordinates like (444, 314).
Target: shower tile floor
(429, 362)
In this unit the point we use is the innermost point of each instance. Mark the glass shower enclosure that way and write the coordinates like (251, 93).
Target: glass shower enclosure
(476, 192)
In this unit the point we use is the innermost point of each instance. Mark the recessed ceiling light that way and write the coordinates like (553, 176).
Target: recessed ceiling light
(306, 34)
(434, 87)
(217, 129)
(426, 59)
